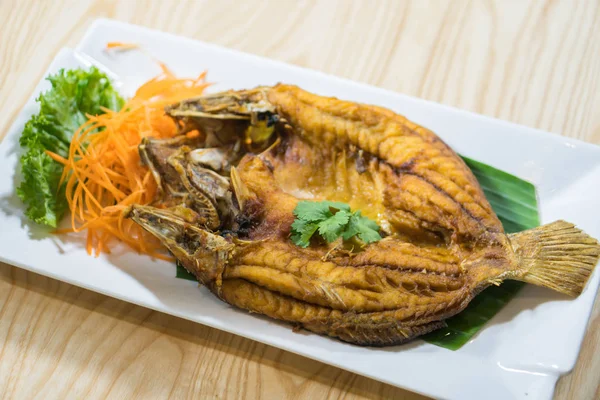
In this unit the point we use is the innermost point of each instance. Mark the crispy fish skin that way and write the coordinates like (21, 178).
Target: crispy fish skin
(443, 243)
(426, 179)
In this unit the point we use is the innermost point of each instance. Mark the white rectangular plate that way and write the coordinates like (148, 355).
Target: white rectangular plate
(519, 355)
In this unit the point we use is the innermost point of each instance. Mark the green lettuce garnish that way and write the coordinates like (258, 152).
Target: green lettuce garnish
(74, 94)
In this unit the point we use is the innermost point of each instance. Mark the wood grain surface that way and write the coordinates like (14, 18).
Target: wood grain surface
(534, 62)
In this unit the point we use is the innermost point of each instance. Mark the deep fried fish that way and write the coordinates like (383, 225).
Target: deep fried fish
(232, 194)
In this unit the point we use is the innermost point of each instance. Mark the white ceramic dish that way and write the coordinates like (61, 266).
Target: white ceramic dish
(519, 355)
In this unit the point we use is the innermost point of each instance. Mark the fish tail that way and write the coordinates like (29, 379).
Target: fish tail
(557, 256)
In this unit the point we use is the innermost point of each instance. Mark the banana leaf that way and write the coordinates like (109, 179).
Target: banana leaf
(514, 201)
(183, 273)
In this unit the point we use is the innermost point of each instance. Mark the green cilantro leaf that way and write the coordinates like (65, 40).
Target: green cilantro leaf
(302, 231)
(313, 211)
(366, 229)
(332, 227)
(331, 220)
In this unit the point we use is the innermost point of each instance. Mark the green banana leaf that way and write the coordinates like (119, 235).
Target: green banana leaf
(514, 201)
(183, 273)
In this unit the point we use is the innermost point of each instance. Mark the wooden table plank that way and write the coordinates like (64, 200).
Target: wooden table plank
(532, 62)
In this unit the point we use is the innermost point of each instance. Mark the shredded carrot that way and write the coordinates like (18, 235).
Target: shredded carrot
(103, 171)
(121, 46)
(56, 157)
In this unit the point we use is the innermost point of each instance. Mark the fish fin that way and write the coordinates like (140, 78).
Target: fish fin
(558, 256)
(240, 190)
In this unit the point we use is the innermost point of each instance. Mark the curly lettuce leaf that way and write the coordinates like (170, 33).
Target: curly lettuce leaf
(74, 94)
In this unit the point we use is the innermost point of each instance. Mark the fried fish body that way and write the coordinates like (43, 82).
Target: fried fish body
(442, 242)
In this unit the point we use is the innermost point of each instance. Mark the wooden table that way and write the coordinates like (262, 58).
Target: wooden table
(536, 63)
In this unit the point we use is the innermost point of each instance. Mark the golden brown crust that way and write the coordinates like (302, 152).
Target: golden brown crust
(423, 176)
(365, 283)
(345, 326)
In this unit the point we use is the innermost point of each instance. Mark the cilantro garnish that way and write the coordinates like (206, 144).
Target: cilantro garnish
(331, 220)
